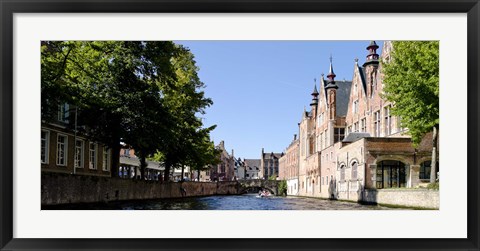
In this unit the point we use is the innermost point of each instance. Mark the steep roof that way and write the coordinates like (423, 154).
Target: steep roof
(252, 162)
(275, 155)
(361, 71)
(343, 97)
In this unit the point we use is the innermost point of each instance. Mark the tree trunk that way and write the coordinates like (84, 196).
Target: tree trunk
(433, 167)
(143, 166)
(198, 174)
(183, 172)
(115, 161)
(168, 165)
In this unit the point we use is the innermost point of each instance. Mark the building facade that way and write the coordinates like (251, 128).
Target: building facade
(252, 169)
(288, 166)
(349, 141)
(65, 151)
(269, 164)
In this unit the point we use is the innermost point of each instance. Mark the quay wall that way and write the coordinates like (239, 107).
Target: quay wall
(57, 188)
(419, 198)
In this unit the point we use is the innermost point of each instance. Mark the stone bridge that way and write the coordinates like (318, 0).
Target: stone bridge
(270, 185)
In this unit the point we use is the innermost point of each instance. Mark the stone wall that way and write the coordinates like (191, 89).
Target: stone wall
(64, 188)
(422, 198)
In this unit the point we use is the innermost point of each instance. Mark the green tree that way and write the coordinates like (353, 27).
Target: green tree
(146, 94)
(412, 85)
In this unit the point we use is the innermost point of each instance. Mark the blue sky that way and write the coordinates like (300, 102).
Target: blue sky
(259, 88)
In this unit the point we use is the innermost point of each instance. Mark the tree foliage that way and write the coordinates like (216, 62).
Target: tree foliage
(144, 93)
(412, 85)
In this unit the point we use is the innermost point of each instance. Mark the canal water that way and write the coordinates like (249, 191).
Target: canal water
(230, 202)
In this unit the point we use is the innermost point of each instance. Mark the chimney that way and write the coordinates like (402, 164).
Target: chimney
(232, 152)
(294, 137)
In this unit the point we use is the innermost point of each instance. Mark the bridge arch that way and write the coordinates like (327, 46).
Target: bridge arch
(269, 185)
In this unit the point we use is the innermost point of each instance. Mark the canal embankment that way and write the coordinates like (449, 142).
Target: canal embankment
(60, 189)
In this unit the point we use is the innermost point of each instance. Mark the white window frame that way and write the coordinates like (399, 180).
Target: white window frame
(363, 124)
(388, 120)
(106, 159)
(376, 116)
(93, 165)
(65, 150)
(47, 146)
(354, 170)
(63, 112)
(355, 106)
(82, 154)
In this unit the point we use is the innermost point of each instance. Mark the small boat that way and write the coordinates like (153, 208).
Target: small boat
(264, 194)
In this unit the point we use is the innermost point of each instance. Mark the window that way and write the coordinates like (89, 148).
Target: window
(342, 172)
(93, 156)
(63, 113)
(355, 127)
(388, 120)
(390, 174)
(79, 154)
(355, 106)
(425, 169)
(320, 143)
(44, 146)
(349, 129)
(363, 124)
(327, 180)
(339, 134)
(62, 150)
(376, 123)
(354, 170)
(127, 152)
(106, 159)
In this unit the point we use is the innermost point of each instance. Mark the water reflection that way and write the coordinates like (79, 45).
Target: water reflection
(238, 202)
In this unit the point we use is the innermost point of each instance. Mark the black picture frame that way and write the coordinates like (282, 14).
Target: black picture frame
(10, 7)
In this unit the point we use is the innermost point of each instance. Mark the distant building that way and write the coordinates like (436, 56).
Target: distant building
(239, 169)
(269, 164)
(252, 169)
(129, 166)
(288, 166)
(223, 171)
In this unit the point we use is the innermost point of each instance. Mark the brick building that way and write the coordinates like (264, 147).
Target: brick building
(269, 163)
(349, 141)
(288, 166)
(223, 171)
(64, 151)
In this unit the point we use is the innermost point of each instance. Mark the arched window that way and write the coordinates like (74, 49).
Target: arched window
(342, 172)
(354, 170)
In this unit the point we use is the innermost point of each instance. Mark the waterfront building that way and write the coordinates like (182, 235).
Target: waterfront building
(269, 164)
(252, 169)
(65, 150)
(240, 171)
(349, 141)
(288, 166)
(129, 167)
(223, 171)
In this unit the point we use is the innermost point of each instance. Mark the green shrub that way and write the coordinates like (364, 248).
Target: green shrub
(282, 187)
(434, 186)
